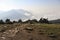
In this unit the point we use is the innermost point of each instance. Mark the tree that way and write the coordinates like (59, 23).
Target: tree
(28, 21)
(19, 21)
(8, 21)
(1, 22)
(14, 21)
(43, 20)
(33, 21)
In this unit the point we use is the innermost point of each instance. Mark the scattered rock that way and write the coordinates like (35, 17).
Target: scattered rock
(5, 26)
(29, 28)
(10, 30)
(2, 30)
(52, 36)
(41, 33)
(3, 38)
(31, 38)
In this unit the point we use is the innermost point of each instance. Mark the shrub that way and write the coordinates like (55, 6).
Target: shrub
(43, 20)
(8, 21)
(1, 22)
(19, 21)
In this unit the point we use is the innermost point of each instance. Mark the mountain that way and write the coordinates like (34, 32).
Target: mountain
(16, 14)
(55, 21)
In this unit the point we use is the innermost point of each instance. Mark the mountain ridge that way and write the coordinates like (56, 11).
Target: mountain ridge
(16, 14)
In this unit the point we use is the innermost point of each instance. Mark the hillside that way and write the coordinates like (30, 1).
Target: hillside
(15, 14)
(19, 31)
(55, 21)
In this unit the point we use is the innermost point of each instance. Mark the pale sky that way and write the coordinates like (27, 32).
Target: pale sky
(39, 8)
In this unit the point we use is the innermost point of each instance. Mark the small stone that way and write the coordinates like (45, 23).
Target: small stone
(5, 26)
(29, 28)
(9, 30)
(3, 37)
(31, 38)
(41, 33)
(4, 32)
(52, 36)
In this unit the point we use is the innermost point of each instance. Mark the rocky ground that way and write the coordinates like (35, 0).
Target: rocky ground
(26, 32)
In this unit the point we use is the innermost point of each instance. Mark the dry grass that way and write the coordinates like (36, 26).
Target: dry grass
(30, 31)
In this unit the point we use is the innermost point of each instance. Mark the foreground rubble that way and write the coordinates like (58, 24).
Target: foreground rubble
(26, 32)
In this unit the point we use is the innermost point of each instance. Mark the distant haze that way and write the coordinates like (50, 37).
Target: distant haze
(16, 15)
(36, 8)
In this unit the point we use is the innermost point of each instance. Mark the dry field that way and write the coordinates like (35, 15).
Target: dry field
(36, 31)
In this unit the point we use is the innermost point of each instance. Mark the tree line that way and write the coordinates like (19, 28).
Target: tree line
(8, 21)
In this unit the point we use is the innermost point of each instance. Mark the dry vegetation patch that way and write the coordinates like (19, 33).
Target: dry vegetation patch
(30, 31)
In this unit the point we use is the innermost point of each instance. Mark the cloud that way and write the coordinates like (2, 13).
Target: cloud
(27, 14)
(33, 17)
(50, 10)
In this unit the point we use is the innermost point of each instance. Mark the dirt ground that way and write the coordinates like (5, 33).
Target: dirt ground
(26, 32)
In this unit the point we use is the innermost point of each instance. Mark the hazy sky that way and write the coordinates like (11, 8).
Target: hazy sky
(39, 8)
